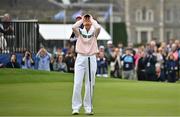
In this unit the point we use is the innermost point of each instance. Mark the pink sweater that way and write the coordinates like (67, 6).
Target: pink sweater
(86, 41)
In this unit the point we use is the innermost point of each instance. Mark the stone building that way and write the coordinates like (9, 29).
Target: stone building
(152, 19)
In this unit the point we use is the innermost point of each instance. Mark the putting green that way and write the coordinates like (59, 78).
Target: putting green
(39, 93)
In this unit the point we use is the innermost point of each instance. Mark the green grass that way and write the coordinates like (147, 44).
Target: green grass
(39, 93)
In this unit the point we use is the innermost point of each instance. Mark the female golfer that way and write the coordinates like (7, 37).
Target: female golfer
(85, 65)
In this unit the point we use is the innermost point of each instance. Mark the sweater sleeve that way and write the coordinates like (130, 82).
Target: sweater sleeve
(76, 26)
(96, 26)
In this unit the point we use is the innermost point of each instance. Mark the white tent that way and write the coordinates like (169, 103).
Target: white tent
(63, 32)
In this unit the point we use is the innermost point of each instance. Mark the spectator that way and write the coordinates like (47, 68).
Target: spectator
(121, 48)
(7, 29)
(159, 57)
(60, 52)
(73, 37)
(164, 47)
(109, 50)
(141, 67)
(102, 65)
(128, 64)
(150, 61)
(178, 49)
(101, 48)
(70, 61)
(7, 25)
(153, 46)
(160, 76)
(171, 66)
(138, 54)
(164, 55)
(3, 43)
(177, 43)
(174, 51)
(66, 48)
(27, 61)
(52, 60)
(130, 47)
(13, 62)
(169, 46)
(59, 64)
(43, 59)
(115, 64)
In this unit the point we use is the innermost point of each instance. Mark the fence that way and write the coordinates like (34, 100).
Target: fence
(18, 36)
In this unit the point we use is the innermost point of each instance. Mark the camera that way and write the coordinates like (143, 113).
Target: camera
(27, 55)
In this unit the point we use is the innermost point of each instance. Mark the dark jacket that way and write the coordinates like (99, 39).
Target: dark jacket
(13, 65)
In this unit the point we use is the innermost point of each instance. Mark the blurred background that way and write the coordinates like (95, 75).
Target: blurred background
(124, 21)
(53, 16)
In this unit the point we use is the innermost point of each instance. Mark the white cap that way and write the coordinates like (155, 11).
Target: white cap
(101, 47)
(109, 42)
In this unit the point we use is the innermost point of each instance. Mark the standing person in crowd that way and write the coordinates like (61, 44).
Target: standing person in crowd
(164, 55)
(115, 64)
(131, 48)
(171, 66)
(59, 64)
(1, 65)
(73, 37)
(7, 28)
(109, 50)
(169, 46)
(52, 60)
(13, 62)
(178, 49)
(159, 57)
(27, 61)
(86, 64)
(128, 64)
(3, 43)
(59, 52)
(66, 48)
(164, 47)
(102, 65)
(153, 46)
(121, 48)
(141, 67)
(150, 61)
(174, 51)
(70, 60)
(43, 59)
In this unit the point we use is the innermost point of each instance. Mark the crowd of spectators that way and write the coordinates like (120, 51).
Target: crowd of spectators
(150, 62)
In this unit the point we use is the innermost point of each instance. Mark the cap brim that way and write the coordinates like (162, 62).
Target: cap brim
(78, 17)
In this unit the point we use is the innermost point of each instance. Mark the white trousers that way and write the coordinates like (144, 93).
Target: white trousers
(81, 71)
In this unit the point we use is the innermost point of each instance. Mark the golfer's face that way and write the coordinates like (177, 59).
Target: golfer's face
(87, 23)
